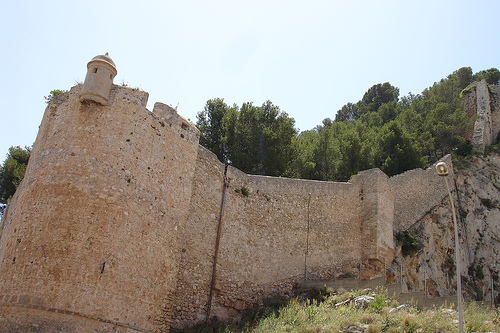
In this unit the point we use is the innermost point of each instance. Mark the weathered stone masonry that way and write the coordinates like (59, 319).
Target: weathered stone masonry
(114, 226)
(482, 102)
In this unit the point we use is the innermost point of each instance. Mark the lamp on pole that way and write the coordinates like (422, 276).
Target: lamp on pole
(442, 170)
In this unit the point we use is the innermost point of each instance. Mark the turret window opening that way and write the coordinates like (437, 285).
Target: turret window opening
(95, 70)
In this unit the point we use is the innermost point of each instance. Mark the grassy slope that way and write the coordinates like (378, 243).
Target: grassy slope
(320, 312)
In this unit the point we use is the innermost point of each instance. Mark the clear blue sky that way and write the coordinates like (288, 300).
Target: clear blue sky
(308, 57)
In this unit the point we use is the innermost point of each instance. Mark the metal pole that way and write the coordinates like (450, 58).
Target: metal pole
(401, 276)
(492, 292)
(307, 237)
(217, 244)
(385, 271)
(425, 283)
(457, 256)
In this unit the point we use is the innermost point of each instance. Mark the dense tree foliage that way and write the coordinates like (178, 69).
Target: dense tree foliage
(256, 139)
(491, 76)
(377, 96)
(381, 130)
(212, 134)
(12, 171)
(394, 134)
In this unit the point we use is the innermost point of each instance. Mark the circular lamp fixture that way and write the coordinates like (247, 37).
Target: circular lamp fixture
(442, 169)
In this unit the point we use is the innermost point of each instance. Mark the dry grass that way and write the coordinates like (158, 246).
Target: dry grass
(325, 315)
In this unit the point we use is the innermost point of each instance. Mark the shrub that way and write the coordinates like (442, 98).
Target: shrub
(378, 304)
(409, 243)
(245, 191)
(53, 94)
(488, 203)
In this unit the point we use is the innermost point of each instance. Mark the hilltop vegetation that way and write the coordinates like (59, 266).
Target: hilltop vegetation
(381, 130)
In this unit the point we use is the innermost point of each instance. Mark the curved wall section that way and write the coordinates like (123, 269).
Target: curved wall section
(91, 236)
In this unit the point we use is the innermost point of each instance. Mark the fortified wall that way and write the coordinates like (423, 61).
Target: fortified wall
(124, 223)
(483, 102)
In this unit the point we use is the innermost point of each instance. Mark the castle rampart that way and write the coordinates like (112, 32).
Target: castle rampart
(416, 192)
(275, 232)
(494, 91)
(482, 102)
(121, 216)
(376, 215)
(96, 230)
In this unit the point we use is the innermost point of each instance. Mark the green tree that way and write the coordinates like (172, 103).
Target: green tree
(491, 76)
(259, 140)
(210, 123)
(53, 94)
(348, 112)
(244, 132)
(351, 158)
(12, 171)
(446, 127)
(464, 76)
(379, 94)
(397, 152)
(303, 164)
(326, 153)
(439, 120)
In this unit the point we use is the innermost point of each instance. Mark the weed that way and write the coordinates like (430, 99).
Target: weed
(470, 88)
(476, 270)
(495, 148)
(245, 191)
(410, 325)
(378, 304)
(373, 329)
(409, 243)
(53, 94)
(322, 316)
(478, 319)
(488, 203)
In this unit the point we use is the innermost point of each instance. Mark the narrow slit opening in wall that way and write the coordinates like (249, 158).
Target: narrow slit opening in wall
(95, 70)
(101, 271)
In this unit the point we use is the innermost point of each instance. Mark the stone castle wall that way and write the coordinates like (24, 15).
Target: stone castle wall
(376, 214)
(95, 228)
(416, 192)
(482, 101)
(265, 234)
(470, 108)
(495, 110)
(115, 224)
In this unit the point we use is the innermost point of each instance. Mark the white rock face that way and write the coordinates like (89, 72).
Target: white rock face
(477, 183)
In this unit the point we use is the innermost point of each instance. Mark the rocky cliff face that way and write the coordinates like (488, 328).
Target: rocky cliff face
(429, 243)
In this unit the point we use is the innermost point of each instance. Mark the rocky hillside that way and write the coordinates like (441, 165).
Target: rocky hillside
(426, 249)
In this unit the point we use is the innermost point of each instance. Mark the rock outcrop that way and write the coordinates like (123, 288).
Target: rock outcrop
(476, 191)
